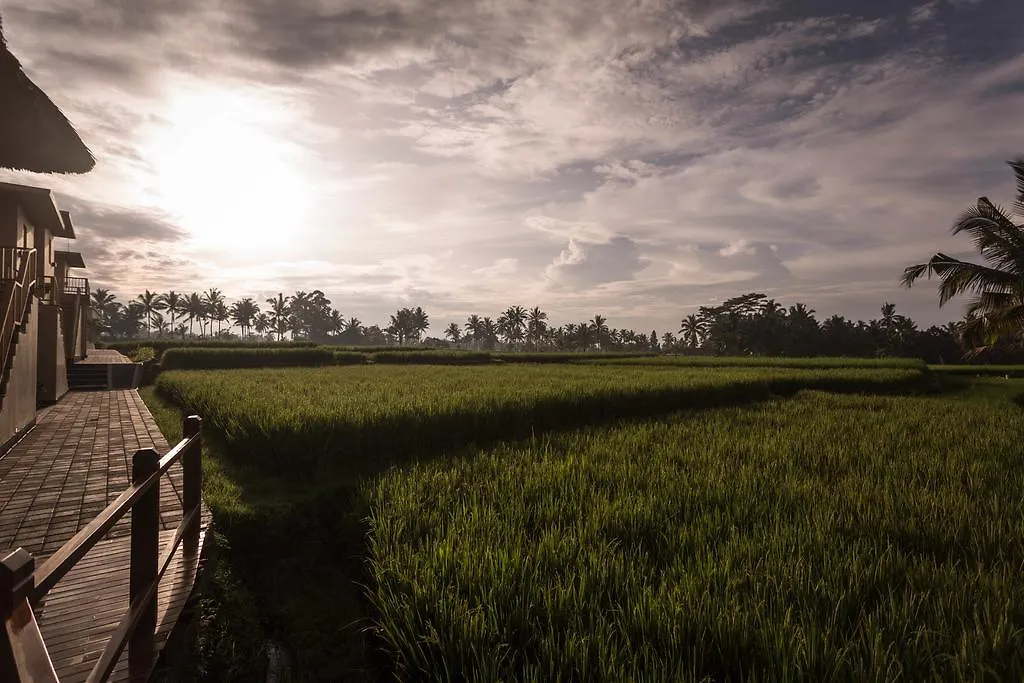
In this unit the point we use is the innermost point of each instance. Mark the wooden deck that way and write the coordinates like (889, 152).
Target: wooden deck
(104, 357)
(52, 483)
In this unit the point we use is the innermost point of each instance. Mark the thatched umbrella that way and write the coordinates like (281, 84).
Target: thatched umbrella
(34, 134)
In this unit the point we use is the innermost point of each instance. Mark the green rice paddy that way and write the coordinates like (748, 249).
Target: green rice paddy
(626, 521)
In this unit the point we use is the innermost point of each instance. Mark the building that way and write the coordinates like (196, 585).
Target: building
(43, 308)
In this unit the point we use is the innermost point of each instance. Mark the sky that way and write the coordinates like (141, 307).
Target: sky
(633, 158)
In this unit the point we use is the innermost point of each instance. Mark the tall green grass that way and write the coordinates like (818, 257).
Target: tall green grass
(823, 362)
(194, 358)
(304, 421)
(821, 538)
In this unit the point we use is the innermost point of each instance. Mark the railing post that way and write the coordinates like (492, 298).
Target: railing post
(192, 476)
(145, 548)
(16, 584)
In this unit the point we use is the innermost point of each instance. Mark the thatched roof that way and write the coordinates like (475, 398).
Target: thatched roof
(34, 134)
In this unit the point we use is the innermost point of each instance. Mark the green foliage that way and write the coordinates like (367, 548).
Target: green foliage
(431, 357)
(566, 356)
(209, 358)
(766, 362)
(161, 345)
(980, 370)
(300, 422)
(143, 354)
(349, 357)
(820, 538)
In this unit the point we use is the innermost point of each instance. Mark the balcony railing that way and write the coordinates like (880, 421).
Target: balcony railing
(76, 285)
(11, 259)
(48, 290)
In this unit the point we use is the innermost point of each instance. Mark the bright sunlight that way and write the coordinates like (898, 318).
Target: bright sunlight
(225, 169)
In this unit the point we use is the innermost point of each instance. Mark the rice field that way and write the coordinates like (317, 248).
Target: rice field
(818, 538)
(301, 421)
(630, 521)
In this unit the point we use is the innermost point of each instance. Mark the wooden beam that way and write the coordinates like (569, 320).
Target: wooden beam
(143, 571)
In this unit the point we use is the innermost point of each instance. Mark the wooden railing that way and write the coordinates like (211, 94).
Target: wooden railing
(18, 270)
(23, 654)
(76, 285)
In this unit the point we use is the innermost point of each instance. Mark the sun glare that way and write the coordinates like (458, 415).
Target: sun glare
(225, 169)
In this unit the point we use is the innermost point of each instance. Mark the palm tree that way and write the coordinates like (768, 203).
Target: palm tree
(997, 309)
(159, 324)
(419, 321)
(174, 302)
(488, 333)
(103, 305)
(599, 325)
(693, 330)
(536, 324)
(242, 313)
(453, 332)
(261, 323)
(195, 309)
(474, 328)
(280, 315)
(515, 318)
(214, 301)
(151, 303)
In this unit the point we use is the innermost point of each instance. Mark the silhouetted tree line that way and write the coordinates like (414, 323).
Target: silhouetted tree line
(750, 324)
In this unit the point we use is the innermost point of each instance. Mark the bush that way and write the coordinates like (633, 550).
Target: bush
(129, 347)
(214, 358)
(432, 357)
(350, 358)
(143, 354)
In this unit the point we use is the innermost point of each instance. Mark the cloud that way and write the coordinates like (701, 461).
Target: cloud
(587, 264)
(504, 266)
(630, 158)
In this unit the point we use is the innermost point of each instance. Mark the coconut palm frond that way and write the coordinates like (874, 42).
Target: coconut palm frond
(1018, 170)
(959, 276)
(994, 235)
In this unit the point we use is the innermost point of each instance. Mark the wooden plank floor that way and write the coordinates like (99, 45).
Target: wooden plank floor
(81, 612)
(103, 357)
(52, 483)
(74, 463)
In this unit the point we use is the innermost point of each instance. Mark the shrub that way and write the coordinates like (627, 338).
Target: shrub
(431, 357)
(214, 358)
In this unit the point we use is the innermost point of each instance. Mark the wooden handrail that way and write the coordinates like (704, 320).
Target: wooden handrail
(59, 563)
(23, 656)
(21, 263)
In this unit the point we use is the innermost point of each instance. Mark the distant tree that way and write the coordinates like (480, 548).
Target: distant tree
(599, 327)
(262, 324)
(474, 328)
(279, 315)
(151, 302)
(536, 325)
(104, 305)
(213, 300)
(692, 331)
(243, 312)
(453, 332)
(195, 309)
(420, 322)
(174, 303)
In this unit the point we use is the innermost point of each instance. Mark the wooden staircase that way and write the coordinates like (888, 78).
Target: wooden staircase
(87, 377)
(18, 275)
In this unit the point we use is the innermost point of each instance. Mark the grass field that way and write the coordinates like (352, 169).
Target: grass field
(302, 421)
(616, 522)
